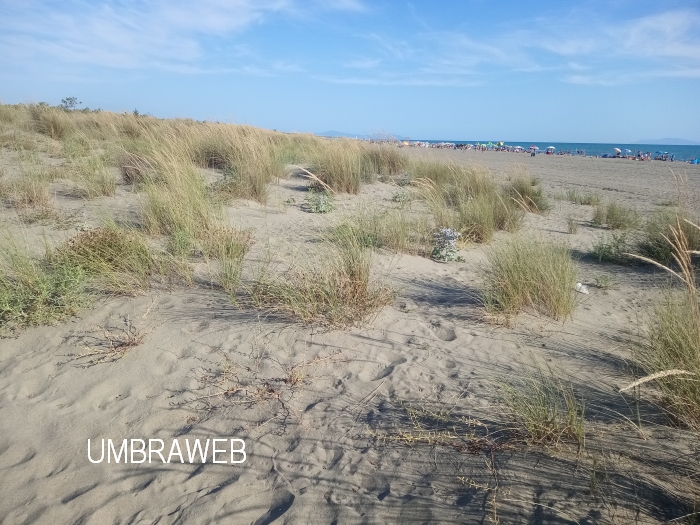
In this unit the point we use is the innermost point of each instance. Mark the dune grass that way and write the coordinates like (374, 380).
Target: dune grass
(50, 121)
(118, 260)
(394, 230)
(247, 157)
(543, 407)
(468, 201)
(342, 164)
(336, 290)
(615, 216)
(29, 189)
(93, 177)
(228, 247)
(526, 192)
(671, 353)
(526, 272)
(587, 198)
(658, 229)
(613, 248)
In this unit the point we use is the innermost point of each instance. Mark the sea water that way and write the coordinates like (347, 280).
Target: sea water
(594, 149)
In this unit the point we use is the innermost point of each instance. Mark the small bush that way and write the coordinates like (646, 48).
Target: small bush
(526, 192)
(37, 291)
(120, 260)
(318, 202)
(445, 249)
(526, 272)
(604, 281)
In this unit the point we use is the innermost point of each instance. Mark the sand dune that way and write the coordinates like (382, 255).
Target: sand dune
(331, 418)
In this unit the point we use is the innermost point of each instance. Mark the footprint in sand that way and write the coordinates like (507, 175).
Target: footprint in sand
(444, 333)
(282, 501)
(16, 454)
(368, 374)
(197, 326)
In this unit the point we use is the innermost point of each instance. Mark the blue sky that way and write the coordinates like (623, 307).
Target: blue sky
(587, 71)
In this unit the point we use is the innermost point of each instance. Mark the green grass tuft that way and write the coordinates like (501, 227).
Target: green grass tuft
(525, 272)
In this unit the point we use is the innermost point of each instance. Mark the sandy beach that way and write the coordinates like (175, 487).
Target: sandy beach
(394, 420)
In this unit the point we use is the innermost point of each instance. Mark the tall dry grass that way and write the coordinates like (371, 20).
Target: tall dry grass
(393, 229)
(524, 272)
(467, 200)
(671, 353)
(337, 289)
(543, 406)
(342, 164)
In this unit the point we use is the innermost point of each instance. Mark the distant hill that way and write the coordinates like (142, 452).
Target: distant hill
(358, 135)
(669, 142)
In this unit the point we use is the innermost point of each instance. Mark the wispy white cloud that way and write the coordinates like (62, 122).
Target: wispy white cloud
(362, 63)
(134, 34)
(343, 5)
(401, 80)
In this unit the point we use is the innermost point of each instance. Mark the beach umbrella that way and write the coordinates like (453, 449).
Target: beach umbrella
(551, 147)
(534, 147)
(617, 150)
(661, 153)
(627, 150)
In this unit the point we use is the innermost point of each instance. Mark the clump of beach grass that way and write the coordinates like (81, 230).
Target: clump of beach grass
(93, 177)
(671, 353)
(526, 272)
(28, 189)
(228, 247)
(118, 260)
(659, 228)
(468, 201)
(613, 248)
(543, 406)
(525, 190)
(394, 230)
(338, 290)
(342, 164)
(587, 198)
(615, 216)
(49, 121)
(247, 157)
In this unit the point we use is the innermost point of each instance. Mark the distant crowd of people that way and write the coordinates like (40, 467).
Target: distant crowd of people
(533, 150)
